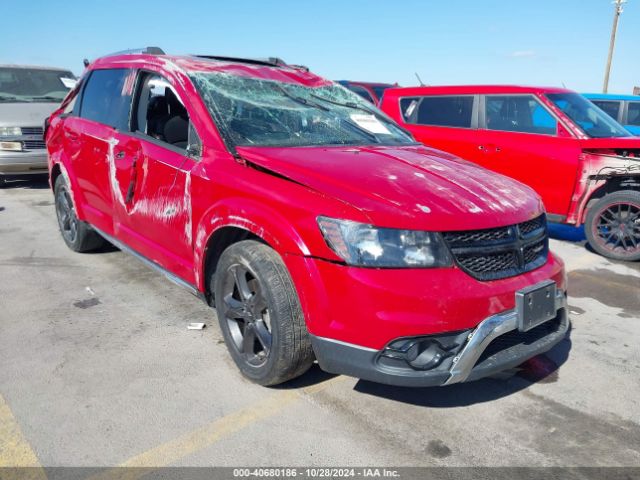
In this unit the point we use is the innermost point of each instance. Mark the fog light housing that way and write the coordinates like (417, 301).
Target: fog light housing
(11, 146)
(424, 353)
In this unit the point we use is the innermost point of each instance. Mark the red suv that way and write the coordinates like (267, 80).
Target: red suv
(584, 165)
(317, 227)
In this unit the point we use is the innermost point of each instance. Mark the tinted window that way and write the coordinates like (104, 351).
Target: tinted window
(107, 97)
(610, 108)
(440, 111)
(518, 113)
(379, 90)
(633, 117)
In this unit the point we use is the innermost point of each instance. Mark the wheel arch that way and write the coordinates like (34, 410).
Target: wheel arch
(236, 220)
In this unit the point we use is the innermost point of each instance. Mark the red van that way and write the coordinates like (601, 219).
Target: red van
(318, 228)
(584, 165)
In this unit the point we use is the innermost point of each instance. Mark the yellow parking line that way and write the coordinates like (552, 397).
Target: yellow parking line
(170, 452)
(15, 451)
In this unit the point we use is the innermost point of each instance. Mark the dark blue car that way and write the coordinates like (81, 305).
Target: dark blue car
(623, 108)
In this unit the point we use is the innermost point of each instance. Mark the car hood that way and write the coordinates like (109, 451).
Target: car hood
(25, 114)
(404, 187)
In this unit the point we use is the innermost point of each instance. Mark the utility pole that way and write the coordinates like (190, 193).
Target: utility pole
(616, 16)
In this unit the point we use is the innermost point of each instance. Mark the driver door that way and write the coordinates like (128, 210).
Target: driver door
(155, 216)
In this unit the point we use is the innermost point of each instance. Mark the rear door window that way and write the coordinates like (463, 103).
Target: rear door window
(633, 115)
(442, 111)
(107, 96)
(610, 108)
(518, 113)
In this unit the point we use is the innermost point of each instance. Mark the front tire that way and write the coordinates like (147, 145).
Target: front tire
(78, 235)
(260, 314)
(612, 225)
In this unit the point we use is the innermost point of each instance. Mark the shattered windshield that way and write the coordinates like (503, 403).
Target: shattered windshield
(593, 121)
(34, 85)
(255, 112)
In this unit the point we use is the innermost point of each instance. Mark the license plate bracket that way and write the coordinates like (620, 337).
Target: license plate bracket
(535, 305)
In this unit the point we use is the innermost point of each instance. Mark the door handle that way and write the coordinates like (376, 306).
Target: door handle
(480, 147)
(132, 182)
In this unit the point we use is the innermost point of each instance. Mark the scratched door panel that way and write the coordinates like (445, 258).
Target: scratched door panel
(155, 218)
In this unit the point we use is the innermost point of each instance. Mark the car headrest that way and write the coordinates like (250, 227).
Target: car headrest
(176, 131)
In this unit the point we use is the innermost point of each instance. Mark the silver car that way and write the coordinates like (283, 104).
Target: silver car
(28, 95)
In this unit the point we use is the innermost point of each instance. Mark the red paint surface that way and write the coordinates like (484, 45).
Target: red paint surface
(179, 203)
(555, 166)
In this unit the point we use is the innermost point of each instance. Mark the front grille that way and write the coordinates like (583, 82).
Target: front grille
(516, 337)
(495, 253)
(32, 131)
(33, 144)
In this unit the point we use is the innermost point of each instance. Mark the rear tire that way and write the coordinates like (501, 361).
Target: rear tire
(260, 314)
(78, 235)
(612, 225)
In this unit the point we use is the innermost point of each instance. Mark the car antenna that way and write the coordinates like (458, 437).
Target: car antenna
(85, 62)
(563, 85)
(419, 79)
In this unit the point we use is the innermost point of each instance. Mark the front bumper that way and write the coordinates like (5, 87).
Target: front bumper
(23, 163)
(494, 345)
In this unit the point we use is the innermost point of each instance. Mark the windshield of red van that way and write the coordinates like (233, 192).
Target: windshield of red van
(255, 112)
(593, 121)
(34, 85)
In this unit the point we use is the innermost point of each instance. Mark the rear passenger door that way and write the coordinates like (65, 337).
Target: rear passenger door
(91, 131)
(155, 218)
(518, 137)
(445, 122)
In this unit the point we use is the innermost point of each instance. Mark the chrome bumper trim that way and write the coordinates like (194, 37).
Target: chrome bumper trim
(483, 335)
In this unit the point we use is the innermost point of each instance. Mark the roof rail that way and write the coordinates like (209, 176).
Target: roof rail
(271, 61)
(134, 51)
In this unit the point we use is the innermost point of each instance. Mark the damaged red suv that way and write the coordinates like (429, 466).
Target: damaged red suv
(318, 228)
(584, 165)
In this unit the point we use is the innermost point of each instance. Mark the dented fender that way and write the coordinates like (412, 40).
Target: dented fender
(261, 220)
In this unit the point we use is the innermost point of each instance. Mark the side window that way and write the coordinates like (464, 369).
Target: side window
(518, 113)
(633, 116)
(443, 111)
(107, 97)
(160, 113)
(610, 108)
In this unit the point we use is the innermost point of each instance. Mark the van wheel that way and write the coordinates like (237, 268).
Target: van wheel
(260, 314)
(78, 235)
(613, 225)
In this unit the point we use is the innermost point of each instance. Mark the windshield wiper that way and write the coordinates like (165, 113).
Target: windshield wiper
(355, 106)
(46, 97)
(11, 97)
(300, 100)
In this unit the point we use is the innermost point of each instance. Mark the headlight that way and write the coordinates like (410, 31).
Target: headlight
(367, 246)
(11, 146)
(10, 131)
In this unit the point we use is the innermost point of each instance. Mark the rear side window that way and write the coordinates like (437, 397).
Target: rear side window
(633, 117)
(610, 108)
(443, 111)
(107, 97)
(518, 113)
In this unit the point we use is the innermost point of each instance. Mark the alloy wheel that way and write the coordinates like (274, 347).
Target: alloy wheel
(617, 228)
(246, 312)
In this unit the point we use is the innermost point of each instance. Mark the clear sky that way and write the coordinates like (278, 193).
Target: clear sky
(536, 42)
